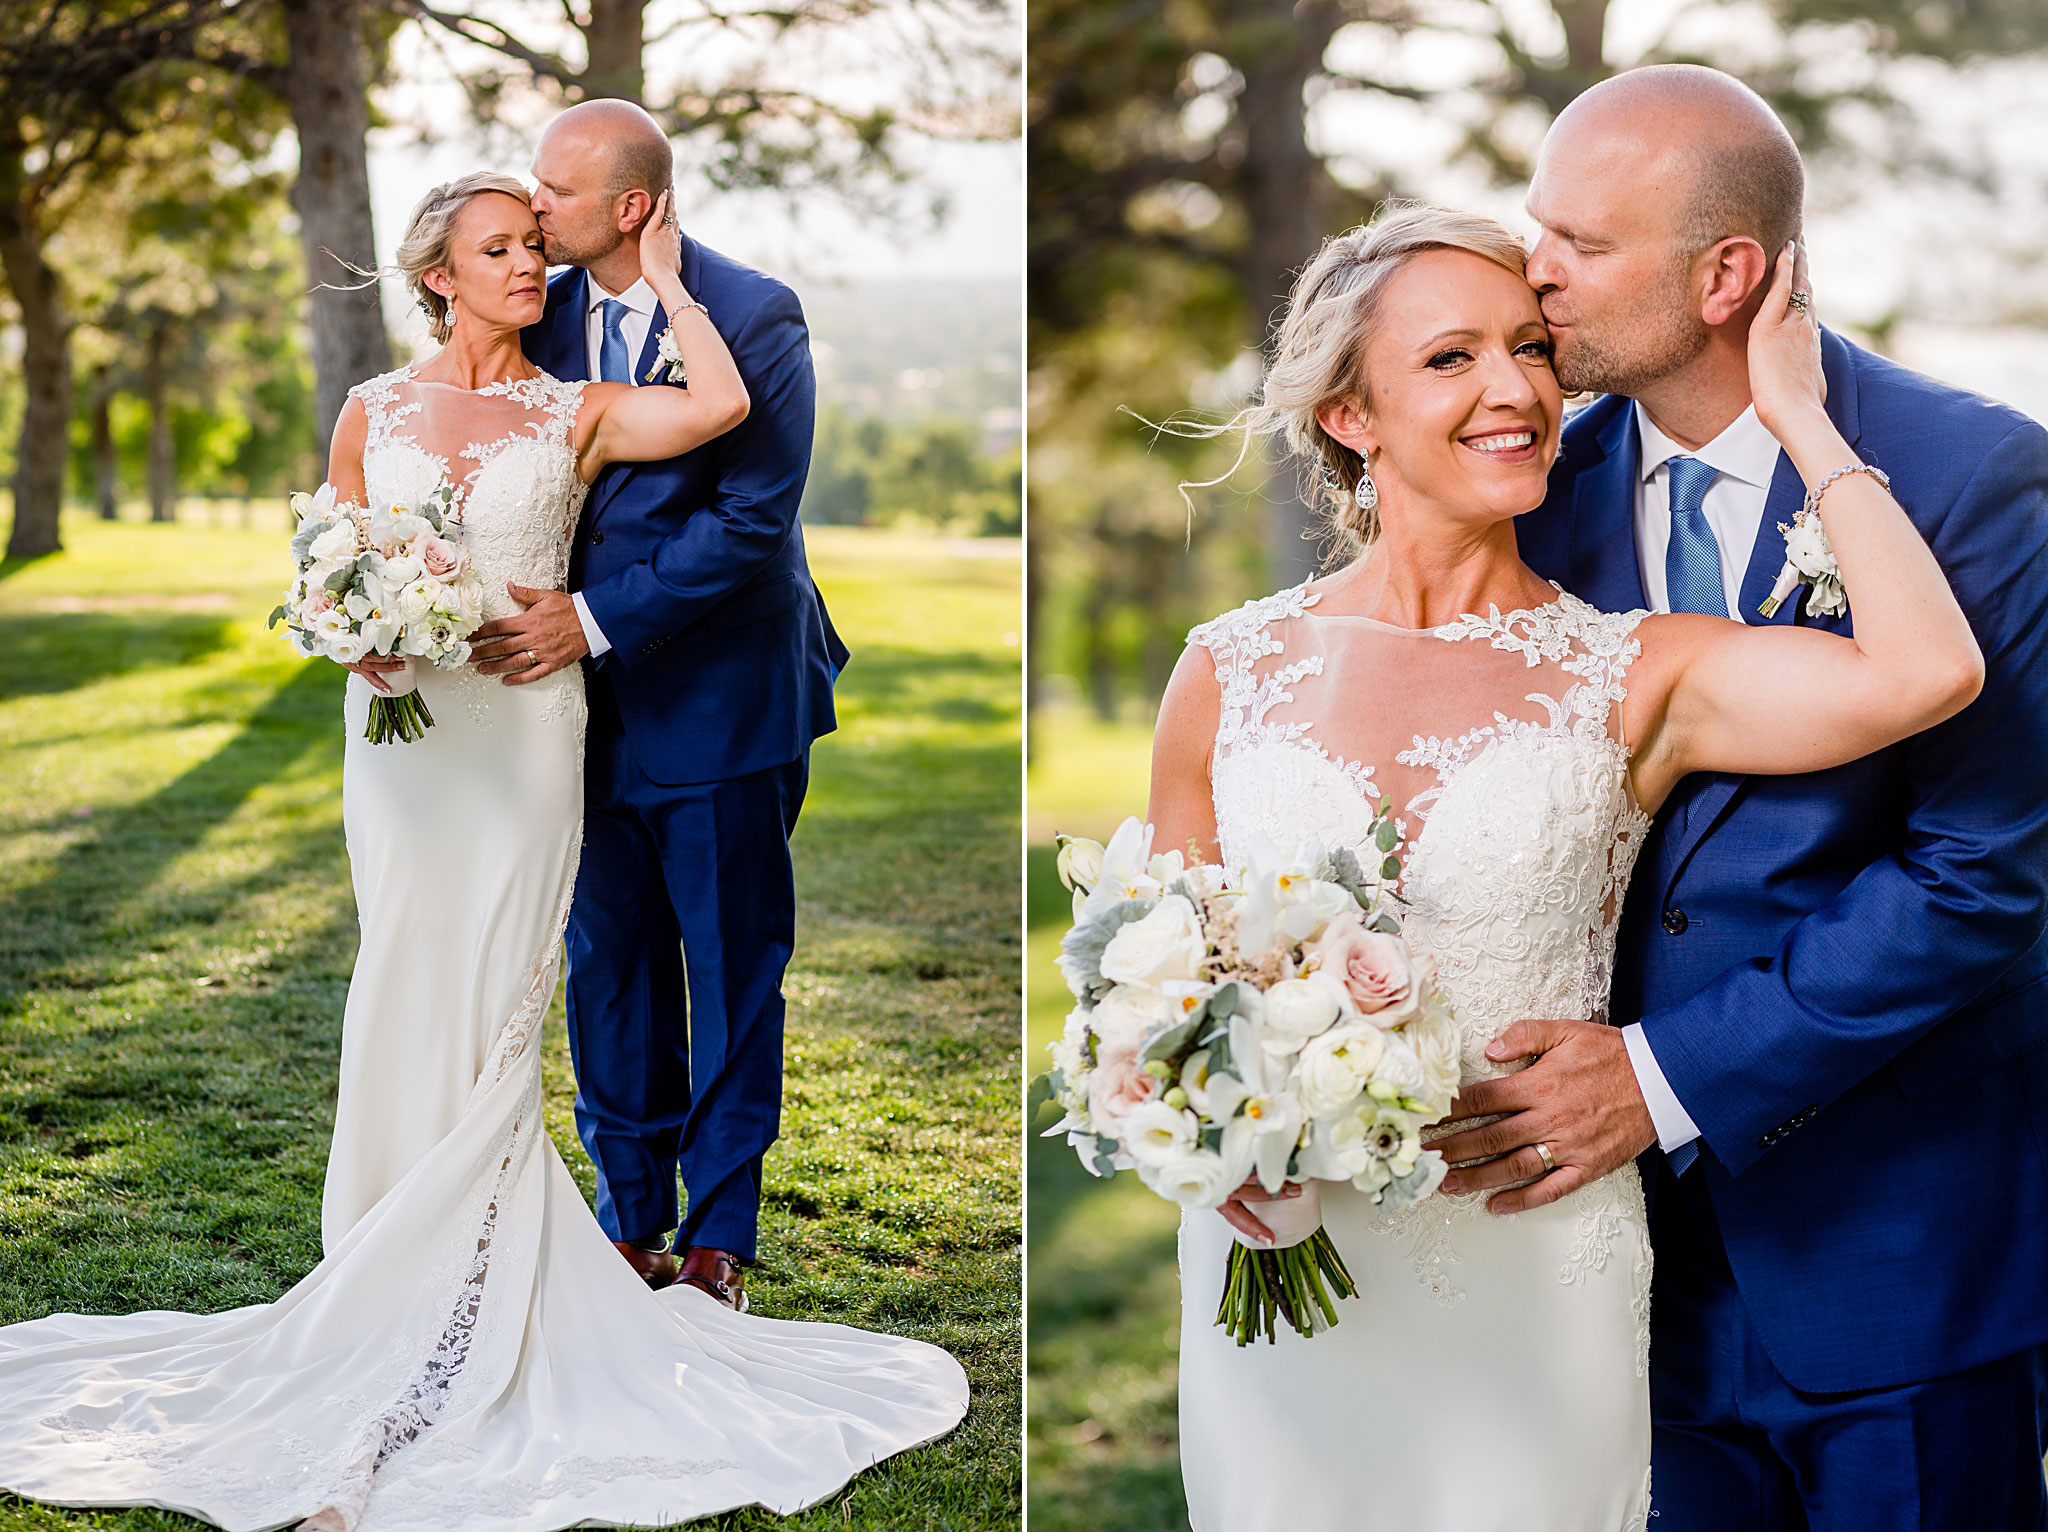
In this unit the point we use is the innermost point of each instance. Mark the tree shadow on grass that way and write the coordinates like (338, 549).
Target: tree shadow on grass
(65, 928)
(41, 653)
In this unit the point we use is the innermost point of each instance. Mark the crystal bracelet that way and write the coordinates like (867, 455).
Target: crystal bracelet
(1813, 495)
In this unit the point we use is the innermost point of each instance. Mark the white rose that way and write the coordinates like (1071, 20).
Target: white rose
(1157, 1134)
(1297, 1010)
(1806, 545)
(1127, 1014)
(1166, 944)
(1199, 1179)
(335, 545)
(1437, 1047)
(1399, 1070)
(1335, 1066)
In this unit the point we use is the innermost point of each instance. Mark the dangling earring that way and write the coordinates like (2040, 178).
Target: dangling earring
(1367, 493)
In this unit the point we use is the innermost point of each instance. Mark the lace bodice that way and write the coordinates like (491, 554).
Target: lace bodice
(506, 448)
(1498, 739)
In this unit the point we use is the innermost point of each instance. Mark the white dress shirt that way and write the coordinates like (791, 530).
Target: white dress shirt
(1747, 457)
(640, 306)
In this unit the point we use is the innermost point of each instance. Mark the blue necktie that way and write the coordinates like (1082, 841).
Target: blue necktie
(1692, 559)
(613, 366)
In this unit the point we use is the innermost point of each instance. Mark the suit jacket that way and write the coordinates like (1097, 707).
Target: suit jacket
(1842, 973)
(723, 656)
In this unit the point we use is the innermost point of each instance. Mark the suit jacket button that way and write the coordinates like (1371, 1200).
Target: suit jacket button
(596, 538)
(1675, 921)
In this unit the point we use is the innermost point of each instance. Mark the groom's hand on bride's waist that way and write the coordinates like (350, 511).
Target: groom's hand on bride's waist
(1579, 1100)
(546, 637)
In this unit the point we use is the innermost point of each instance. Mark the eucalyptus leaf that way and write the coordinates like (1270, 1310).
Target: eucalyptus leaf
(1105, 1157)
(1386, 837)
(1390, 869)
(276, 616)
(1210, 1139)
(1082, 947)
(1172, 1039)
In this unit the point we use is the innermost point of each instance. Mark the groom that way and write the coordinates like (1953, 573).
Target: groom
(1833, 988)
(709, 661)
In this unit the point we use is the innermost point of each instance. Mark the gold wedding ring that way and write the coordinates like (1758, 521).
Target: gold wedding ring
(532, 659)
(1549, 1160)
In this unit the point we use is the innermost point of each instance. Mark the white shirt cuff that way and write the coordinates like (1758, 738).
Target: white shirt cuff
(1675, 1127)
(593, 635)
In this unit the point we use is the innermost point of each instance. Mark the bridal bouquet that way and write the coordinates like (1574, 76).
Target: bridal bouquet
(1268, 1021)
(388, 581)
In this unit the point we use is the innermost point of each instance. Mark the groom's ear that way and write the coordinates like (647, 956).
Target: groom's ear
(632, 210)
(1733, 276)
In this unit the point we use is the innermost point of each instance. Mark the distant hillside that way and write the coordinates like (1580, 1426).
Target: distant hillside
(901, 349)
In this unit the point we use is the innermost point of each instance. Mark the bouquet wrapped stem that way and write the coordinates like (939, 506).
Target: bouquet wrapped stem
(1297, 1278)
(404, 717)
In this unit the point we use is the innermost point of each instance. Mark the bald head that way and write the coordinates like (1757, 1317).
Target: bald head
(1700, 138)
(633, 148)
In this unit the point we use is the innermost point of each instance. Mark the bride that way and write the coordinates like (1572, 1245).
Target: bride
(471, 1353)
(1525, 739)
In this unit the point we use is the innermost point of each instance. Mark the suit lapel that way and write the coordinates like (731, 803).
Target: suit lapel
(651, 347)
(1710, 804)
(1602, 558)
(612, 478)
(568, 344)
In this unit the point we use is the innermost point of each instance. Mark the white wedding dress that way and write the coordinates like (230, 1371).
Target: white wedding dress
(471, 1355)
(1491, 1374)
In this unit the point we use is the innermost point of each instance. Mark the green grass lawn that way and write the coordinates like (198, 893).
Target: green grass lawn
(176, 930)
(1105, 1295)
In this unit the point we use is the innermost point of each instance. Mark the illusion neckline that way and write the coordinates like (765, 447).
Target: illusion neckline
(412, 376)
(1458, 624)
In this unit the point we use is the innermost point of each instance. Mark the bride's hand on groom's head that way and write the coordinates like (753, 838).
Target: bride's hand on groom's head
(661, 241)
(1579, 1100)
(1785, 379)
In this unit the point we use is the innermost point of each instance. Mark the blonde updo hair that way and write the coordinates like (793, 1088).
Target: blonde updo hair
(429, 238)
(1319, 348)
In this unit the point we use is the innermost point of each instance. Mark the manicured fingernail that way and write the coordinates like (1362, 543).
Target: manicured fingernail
(1453, 1184)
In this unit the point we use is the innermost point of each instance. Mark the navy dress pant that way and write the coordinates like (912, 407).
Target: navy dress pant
(1736, 1448)
(683, 922)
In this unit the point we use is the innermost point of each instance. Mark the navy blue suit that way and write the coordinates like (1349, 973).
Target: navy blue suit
(702, 715)
(1842, 977)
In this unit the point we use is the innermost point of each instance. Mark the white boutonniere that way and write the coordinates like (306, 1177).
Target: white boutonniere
(667, 354)
(1809, 560)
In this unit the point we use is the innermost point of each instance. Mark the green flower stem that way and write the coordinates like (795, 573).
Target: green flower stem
(1261, 1286)
(402, 718)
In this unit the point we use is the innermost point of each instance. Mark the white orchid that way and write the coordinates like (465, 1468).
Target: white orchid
(1123, 875)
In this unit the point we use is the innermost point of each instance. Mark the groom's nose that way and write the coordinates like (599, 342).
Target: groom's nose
(1545, 272)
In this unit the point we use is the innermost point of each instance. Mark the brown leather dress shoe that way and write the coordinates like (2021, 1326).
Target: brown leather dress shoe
(657, 1268)
(717, 1273)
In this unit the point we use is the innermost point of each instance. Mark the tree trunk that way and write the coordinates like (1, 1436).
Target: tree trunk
(325, 90)
(1289, 200)
(45, 443)
(104, 464)
(615, 40)
(162, 458)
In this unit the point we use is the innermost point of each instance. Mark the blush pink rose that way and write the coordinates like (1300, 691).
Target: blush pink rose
(1119, 1083)
(1373, 969)
(441, 558)
(319, 603)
